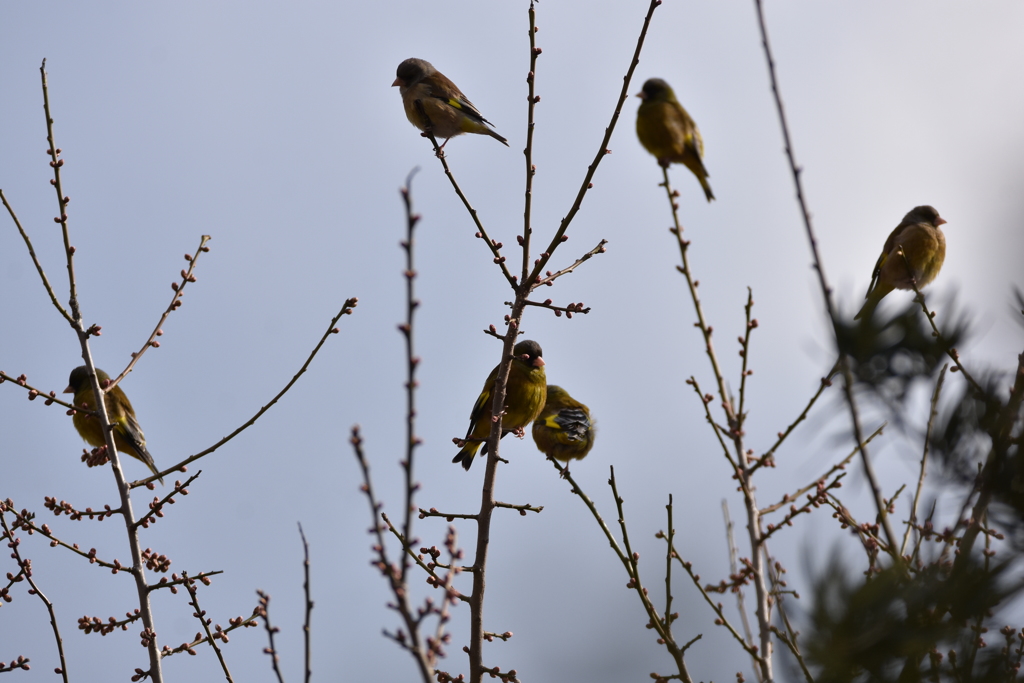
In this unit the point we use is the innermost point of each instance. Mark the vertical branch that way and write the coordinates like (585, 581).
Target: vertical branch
(933, 413)
(559, 236)
(264, 611)
(138, 569)
(62, 200)
(35, 259)
(744, 471)
(411, 362)
(671, 534)
(734, 571)
(200, 614)
(826, 291)
(702, 324)
(487, 501)
(309, 605)
(531, 170)
(745, 352)
(26, 570)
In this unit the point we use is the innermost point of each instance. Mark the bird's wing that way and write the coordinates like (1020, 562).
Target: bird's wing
(890, 244)
(683, 127)
(446, 91)
(573, 421)
(482, 407)
(133, 432)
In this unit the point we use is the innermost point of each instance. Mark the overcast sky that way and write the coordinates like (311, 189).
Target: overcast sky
(272, 127)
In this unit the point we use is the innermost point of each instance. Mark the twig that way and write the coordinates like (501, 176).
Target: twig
(733, 571)
(481, 231)
(35, 259)
(721, 620)
(768, 455)
(841, 465)
(187, 276)
(705, 329)
(393, 573)
(550, 277)
(434, 580)
(785, 639)
(34, 393)
(331, 329)
(200, 614)
(603, 150)
(826, 291)
(930, 315)
(138, 566)
(264, 613)
(558, 310)
(745, 353)
(628, 560)
(933, 413)
(156, 507)
(62, 201)
(411, 363)
(531, 170)
(26, 570)
(705, 400)
(309, 607)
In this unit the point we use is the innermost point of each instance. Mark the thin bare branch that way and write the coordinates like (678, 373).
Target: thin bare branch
(187, 276)
(331, 329)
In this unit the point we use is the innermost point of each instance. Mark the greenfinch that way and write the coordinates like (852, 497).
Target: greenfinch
(448, 112)
(925, 248)
(524, 397)
(667, 131)
(563, 430)
(128, 436)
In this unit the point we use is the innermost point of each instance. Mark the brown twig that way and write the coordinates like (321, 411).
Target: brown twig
(603, 150)
(264, 613)
(841, 465)
(331, 329)
(932, 414)
(200, 614)
(768, 456)
(35, 259)
(187, 276)
(531, 170)
(25, 567)
(550, 277)
(34, 393)
(826, 291)
(306, 633)
(481, 231)
(741, 463)
(391, 571)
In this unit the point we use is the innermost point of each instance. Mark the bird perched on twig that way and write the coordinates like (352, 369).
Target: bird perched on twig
(443, 110)
(525, 392)
(924, 245)
(128, 436)
(563, 430)
(667, 131)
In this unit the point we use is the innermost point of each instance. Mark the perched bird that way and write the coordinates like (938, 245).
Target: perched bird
(667, 131)
(128, 436)
(448, 112)
(524, 397)
(563, 430)
(925, 248)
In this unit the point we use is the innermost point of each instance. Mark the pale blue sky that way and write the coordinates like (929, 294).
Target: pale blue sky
(272, 127)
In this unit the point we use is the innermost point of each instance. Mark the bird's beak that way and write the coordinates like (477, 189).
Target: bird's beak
(538, 362)
(69, 390)
(939, 221)
(398, 81)
(641, 95)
